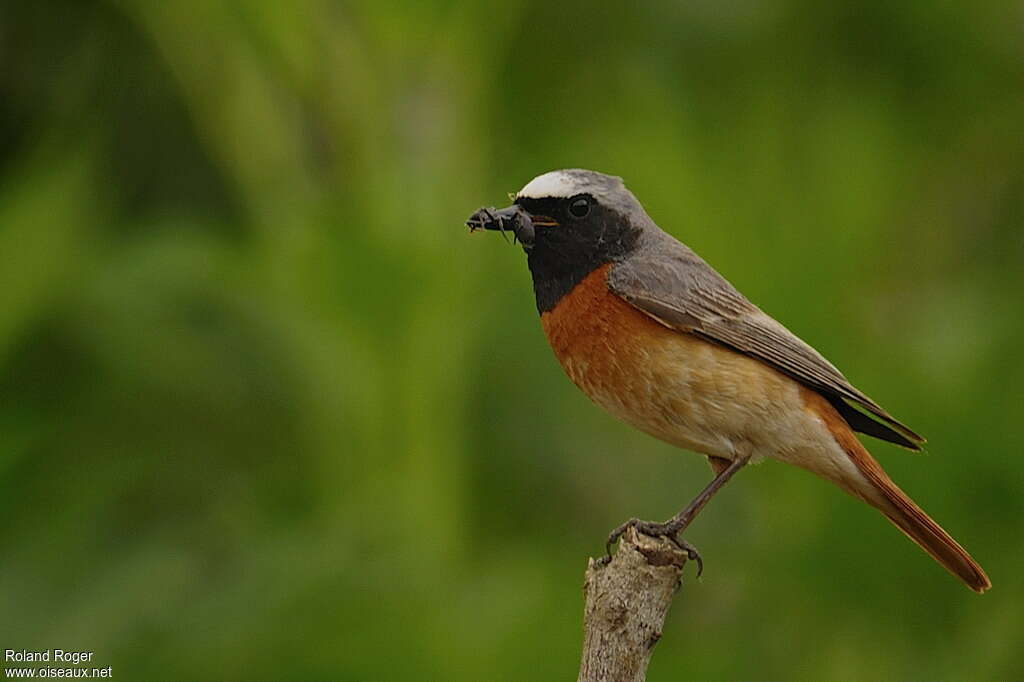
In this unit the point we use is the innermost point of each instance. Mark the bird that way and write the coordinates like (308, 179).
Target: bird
(658, 338)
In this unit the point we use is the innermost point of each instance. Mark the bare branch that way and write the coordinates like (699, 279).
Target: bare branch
(627, 600)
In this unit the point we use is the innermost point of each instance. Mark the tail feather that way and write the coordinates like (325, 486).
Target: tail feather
(919, 527)
(876, 488)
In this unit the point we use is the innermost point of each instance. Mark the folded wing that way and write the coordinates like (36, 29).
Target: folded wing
(681, 291)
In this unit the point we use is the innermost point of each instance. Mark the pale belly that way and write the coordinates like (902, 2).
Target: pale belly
(679, 388)
(687, 392)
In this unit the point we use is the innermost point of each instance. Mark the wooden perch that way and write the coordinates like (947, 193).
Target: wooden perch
(627, 600)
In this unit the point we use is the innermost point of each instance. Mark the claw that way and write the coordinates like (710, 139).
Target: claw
(614, 536)
(655, 530)
(692, 554)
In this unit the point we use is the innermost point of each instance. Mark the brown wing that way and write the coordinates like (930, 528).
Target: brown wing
(683, 292)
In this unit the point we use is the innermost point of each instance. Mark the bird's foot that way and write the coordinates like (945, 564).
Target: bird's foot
(669, 529)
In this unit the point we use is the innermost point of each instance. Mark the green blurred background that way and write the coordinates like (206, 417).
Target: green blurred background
(268, 412)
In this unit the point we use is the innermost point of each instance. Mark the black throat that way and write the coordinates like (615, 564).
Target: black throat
(564, 255)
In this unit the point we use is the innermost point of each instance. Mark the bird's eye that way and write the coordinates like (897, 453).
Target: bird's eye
(579, 207)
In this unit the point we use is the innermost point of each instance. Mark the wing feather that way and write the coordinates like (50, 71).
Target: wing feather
(683, 292)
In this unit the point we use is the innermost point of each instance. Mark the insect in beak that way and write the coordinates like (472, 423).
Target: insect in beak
(514, 219)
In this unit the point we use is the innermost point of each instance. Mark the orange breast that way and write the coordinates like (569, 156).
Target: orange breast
(628, 363)
(600, 339)
(670, 384)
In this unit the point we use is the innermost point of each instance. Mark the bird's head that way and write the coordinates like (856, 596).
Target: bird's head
(569, 222)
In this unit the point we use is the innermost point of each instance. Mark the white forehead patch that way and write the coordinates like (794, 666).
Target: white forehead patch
(554, 184)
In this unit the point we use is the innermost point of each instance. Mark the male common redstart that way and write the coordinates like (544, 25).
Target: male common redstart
(651, 333)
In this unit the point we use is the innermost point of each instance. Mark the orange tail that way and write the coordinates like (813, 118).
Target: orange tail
(886, 496)
(920, 527)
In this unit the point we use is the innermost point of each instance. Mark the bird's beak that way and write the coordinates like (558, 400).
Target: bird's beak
(514, 219)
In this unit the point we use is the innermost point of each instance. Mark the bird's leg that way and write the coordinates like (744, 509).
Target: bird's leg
(680, 521)
(717, 464)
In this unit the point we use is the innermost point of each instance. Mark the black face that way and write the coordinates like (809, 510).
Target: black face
(572, 237)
